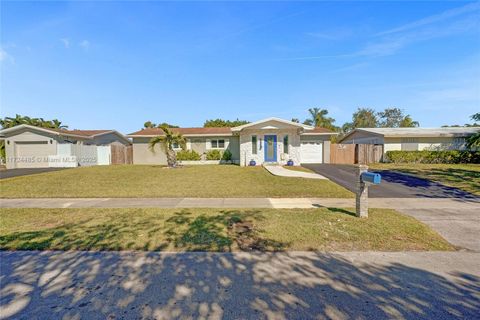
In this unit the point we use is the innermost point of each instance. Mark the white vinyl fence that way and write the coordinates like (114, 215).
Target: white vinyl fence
(73, 155)
(104, 155)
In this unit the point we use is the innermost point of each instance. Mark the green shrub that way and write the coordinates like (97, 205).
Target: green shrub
(214, 155)
(426, 156)
(227, 155)
(188, 155)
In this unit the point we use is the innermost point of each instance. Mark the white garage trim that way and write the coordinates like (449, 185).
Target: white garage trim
(311, 151)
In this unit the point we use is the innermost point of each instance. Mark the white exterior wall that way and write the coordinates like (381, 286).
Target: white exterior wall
(246, 146)
(391, 146)
(425, 143)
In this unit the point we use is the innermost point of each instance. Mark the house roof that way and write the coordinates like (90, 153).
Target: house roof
(251, 124)
(225, 131)
(152, 132)
(86, 134)
(417, 132)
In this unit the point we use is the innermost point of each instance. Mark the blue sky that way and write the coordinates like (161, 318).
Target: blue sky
(118, 64)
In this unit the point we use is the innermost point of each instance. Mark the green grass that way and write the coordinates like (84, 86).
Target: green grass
(462, 176)
(325, 229)
(136, 181)
(298, 168)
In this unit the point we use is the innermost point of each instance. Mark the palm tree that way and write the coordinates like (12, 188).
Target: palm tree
(408, 122)
(313, 116)
(166, 142)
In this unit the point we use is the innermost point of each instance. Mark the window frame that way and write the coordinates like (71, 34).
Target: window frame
(286, 142)
(217, 144)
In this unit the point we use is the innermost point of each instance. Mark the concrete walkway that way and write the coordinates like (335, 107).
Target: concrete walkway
(290, 285)
(282, 172)
(279, 203)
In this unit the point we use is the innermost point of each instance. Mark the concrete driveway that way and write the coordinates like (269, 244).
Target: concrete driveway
(10, 173)
(394, 184)
(243, 285)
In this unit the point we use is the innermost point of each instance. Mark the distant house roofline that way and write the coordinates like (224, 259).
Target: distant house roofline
(416, 132)
(82, 134)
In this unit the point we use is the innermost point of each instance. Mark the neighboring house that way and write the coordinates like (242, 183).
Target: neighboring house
(271, 140)
(34, 147)
(412, 139)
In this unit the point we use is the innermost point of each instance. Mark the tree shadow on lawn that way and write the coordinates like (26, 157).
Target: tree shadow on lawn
(99, 285)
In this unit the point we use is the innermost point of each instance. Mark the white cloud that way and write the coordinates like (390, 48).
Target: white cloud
(66, 42)
(85, 44)
(450, 22)
(434, 18)
(5, 56)
(398, 38)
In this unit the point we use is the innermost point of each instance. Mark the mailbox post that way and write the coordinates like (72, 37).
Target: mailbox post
(361, 199)
(365, 178)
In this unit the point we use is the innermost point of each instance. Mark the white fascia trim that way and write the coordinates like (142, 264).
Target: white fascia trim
(319, 134)
(27, 126)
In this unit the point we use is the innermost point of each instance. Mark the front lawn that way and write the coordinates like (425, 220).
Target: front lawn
(325, 229)
(136, 181)
(462, 176)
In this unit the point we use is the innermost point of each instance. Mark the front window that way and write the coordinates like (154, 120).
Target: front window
(254, 144)
(175, 145)
(285, 144)
(218, 144)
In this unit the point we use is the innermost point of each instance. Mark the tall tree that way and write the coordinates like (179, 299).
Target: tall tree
(408, 122)
(150, 124)
(167, 141)
(9, 122)
(319, 118)
(313, 116)
(224, 123)
(323, 121)
(362, 118)
(394, 118)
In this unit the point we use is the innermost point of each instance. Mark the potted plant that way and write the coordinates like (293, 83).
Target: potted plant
(252, 163)
(290, 162)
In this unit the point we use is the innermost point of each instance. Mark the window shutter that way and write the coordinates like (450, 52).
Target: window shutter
(189, 144)
(208, 144)
(226, 143)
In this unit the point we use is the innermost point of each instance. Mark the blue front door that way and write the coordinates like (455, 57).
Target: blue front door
(270, 148)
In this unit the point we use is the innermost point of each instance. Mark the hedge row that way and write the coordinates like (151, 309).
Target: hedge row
(192, 155)
(188, 155)
(450, 156)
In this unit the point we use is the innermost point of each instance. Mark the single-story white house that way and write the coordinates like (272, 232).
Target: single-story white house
(34, 147)
(412, 139)
(271, 140)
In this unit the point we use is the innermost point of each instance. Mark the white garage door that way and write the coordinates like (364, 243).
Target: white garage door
(311, 151)
(31, 154)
